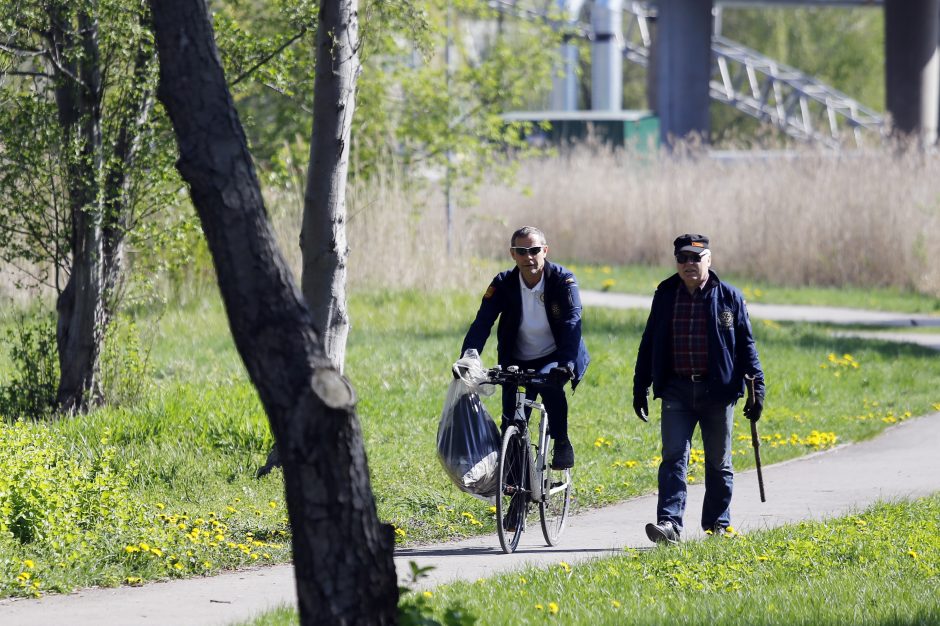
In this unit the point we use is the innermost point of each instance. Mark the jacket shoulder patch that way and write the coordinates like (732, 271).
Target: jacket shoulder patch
(489, 292)
(570, 281)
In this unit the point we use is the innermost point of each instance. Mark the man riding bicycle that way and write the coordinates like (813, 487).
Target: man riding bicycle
(539, 309)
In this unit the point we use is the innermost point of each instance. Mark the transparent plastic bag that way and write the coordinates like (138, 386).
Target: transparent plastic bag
(468, 439)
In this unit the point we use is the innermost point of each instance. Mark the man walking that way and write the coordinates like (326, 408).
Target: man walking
(539, 309)
(695, 351)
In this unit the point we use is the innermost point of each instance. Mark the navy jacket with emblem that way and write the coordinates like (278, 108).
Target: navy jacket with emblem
(503, 300)
(732, 352)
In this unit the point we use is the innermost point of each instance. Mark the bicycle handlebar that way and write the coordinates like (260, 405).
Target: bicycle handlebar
(512, 375)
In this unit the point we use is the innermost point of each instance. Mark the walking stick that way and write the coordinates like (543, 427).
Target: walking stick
(755, 439)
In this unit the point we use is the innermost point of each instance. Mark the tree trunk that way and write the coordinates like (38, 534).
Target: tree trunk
(342, 553)
(323, 236)
(82, 316)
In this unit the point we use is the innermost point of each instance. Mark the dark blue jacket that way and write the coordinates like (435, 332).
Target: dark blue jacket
(503, 299)
(732, 352)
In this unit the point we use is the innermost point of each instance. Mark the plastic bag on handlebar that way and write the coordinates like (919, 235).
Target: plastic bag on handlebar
(469, 370)
(468, 439)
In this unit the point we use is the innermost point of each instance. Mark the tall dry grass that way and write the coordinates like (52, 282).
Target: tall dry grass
(804, 218)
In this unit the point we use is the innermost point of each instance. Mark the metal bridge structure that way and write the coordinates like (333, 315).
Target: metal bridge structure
(695, 64)
(796, 103)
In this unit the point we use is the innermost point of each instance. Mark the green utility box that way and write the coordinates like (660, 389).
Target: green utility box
(637, 130)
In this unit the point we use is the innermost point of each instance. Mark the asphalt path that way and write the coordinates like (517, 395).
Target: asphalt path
(900, 463)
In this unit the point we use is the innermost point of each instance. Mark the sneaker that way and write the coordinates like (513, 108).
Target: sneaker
(563, 456)
(515, 515)
(663, 532)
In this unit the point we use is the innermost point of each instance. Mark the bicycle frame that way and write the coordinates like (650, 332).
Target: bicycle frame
(537, 459)
(539, 485)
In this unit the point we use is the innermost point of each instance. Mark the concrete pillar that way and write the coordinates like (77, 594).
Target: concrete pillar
(683, 68)
(565, 81)
(912, 66)
(607, 55)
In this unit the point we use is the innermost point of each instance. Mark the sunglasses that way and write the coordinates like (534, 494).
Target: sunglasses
(682, 259)
(526, 251)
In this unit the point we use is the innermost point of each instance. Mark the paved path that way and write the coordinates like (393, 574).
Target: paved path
(779, 312)
(900, 463)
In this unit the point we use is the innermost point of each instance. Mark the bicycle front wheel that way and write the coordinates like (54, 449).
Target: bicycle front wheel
(556, 499)
(512, 497)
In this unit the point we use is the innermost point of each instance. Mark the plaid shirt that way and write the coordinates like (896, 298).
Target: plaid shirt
(689, 333)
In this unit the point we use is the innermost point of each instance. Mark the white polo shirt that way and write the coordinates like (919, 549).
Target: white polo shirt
(535, 336)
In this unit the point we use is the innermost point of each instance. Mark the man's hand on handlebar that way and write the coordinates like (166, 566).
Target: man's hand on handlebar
(558, 376)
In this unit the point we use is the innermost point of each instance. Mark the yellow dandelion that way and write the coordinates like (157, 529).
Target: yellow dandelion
(565, 567)
(160, 505)
(539, 607)
(29, 563)
(552, 608)
(913, 554)
(272, 504)
(427, 594)
(615, 604)
(156, 551)
(145, 547)
(178, 565)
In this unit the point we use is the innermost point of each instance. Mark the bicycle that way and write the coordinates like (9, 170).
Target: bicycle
(525, 476)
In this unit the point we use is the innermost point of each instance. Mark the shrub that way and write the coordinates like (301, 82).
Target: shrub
(31, 392)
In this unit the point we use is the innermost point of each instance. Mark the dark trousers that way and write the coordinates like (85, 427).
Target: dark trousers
(553, 397)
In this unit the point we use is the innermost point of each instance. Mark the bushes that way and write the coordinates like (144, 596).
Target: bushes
(124, 370)
(31, 391)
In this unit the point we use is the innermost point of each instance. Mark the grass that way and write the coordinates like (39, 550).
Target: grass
(879, 566)
(195, 439)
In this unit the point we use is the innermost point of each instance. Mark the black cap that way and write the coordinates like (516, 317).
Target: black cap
(690, 243)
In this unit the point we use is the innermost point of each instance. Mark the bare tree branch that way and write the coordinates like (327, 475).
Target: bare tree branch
(265, 59)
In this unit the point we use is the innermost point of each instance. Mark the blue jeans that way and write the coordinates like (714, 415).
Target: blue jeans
(685, 404)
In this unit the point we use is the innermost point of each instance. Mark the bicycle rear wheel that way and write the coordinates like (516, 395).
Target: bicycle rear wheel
(553, 509)
(512, 497)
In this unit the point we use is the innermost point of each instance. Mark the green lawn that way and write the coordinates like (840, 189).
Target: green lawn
(181, 458)
(880, 566)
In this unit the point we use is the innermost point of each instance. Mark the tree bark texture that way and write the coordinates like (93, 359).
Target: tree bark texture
(342, 553)
(323, 236)
(82, 316)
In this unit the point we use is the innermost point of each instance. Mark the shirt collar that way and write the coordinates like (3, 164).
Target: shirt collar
(539, 287)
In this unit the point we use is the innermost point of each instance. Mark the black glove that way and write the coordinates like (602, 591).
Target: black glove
(641, 407)
(753, 411)
(558, 376)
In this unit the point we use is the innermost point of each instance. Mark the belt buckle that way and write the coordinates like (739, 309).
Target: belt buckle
(697, 378)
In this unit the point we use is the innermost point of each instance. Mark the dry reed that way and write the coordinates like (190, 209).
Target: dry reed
(802, 218)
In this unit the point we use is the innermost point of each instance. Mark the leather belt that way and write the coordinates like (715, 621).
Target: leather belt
(695, 378)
